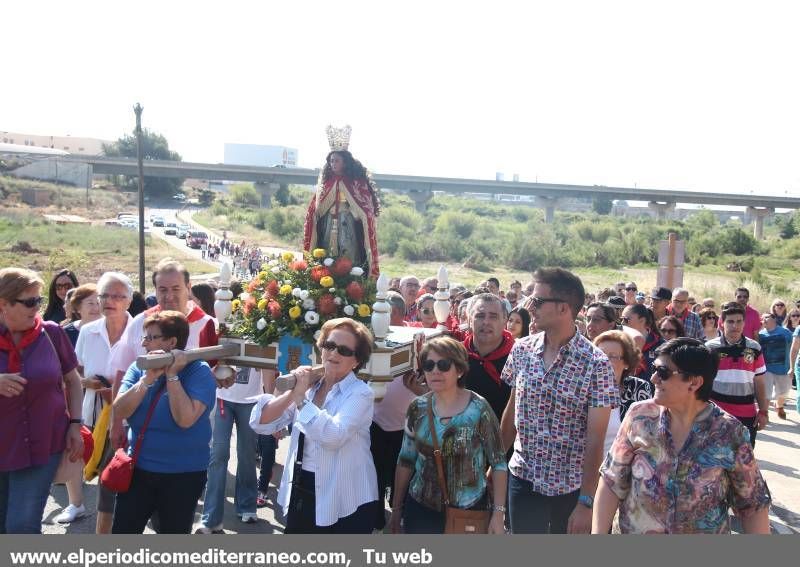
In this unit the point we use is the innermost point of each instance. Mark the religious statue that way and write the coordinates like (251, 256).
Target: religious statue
(341, 215)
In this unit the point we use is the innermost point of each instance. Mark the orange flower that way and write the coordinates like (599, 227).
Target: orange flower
(319, 272)
(249, 305)
(326, 305)
(298, 266)
(355, 291)
(274, 309)
(342, 266)
(272, 288)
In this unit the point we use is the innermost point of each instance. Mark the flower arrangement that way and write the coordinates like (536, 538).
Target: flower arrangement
(292, 296)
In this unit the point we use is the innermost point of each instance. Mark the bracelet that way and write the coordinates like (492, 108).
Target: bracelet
(499, 508)
(173, 378)
(76, 421)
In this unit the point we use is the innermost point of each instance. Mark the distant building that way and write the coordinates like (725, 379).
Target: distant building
(70, 144)
(264, 156)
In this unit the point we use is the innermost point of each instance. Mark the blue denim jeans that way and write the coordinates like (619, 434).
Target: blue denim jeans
(246, 490)
(23, 496)
(535, 513)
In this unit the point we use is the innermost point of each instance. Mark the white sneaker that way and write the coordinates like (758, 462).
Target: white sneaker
(70, 514)
(249, 517)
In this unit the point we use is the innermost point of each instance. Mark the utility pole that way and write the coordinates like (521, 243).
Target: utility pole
(138, 110)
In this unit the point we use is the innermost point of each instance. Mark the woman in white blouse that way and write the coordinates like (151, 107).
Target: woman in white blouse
(329, 483)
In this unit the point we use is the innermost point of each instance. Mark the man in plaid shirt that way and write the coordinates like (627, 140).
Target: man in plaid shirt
(679, 307)
(563, 391)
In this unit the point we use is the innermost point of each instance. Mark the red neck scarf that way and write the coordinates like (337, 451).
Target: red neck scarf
(498, 353)
(15, 350)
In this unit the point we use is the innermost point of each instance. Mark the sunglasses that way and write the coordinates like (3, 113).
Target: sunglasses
(443, 364)
(341, 349)
(631, 289)
(624, 320)
(537, 302)
(794, 316)
(664, 373)
(29, 302)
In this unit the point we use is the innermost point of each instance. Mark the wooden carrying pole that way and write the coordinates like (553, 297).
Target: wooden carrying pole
(286, 382)
(148, 361)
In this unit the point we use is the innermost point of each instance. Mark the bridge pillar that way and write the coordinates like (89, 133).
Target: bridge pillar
(661, 209)
(420, 199)
(756, 215)
(549, 205)
(266, 191)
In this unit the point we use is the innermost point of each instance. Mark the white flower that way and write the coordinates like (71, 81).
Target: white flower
(275, 269)
(349, 310)
(308, 303)
(312, 317)
(337, 300)
(328, 262)
(303, 294)
(296, 292)
(244, 296)
(356, 271)
(273, 262)
(317, 335)
(261, 324)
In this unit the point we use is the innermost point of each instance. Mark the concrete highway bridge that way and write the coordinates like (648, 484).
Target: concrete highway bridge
(421, 189)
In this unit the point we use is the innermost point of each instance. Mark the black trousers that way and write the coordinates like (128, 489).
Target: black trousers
(750, 424)
(301, 518)
(385, 448)
(535, 513)
(173, 496)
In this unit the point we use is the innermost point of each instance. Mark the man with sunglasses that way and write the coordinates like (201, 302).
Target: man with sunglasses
(740, 378)
(563, 391)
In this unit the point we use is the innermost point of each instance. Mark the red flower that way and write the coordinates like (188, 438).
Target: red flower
(355, 291)
(326, 305)
(342, 266)
(299, 266)
(274, 309)
(319, 272)
(272, 288)
(249, 305)
(251, 287)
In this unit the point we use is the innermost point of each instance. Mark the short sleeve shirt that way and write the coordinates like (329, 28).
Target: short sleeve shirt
(552, 409)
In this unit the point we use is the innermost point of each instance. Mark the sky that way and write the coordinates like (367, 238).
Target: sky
(680, 95)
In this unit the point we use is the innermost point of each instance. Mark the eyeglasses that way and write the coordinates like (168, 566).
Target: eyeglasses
(624, 320)
(443, 364)
(631, 289)
(29, 302)
(615, 357)
(668, 331)
(341, 349)
(148, 338)
(114, 296)
(426, 311)
(780, 305)
(794, 316)
(64, 286)
(664, 373)
(537, 302)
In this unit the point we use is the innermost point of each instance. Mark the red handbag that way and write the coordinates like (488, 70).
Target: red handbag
(118, 474)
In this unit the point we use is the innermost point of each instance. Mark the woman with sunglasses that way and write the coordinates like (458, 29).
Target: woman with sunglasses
(61, 283)
(710, 321)
(670, 327)
(425, 314)
(468, 433)
(37, 421)
(172, 461)
(329, 484)
(679, 462)
(778, 310)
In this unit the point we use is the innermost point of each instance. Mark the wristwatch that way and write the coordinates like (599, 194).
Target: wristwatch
(586, 500)
(173, 378)
(499, 508)
(76, 421)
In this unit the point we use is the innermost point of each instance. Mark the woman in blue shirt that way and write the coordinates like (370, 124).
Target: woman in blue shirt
(170, 472)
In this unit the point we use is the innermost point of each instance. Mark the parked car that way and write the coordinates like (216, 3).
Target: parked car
(171, 228)
(179, 197)
(157, 220)
(196, 238)
(183, 229)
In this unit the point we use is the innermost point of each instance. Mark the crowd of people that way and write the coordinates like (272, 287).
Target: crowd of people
(541, 409)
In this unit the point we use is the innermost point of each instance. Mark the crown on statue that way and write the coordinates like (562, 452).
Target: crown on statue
(338, 138)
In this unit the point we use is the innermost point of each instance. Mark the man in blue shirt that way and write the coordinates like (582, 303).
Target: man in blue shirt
(776, 342)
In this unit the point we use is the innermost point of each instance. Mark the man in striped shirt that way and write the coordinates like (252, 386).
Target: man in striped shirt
(740, 378)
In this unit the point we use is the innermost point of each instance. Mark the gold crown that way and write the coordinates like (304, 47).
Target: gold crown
(338, 138)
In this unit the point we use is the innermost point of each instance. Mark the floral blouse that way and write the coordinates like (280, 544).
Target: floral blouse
(470, 444)
(688, 492)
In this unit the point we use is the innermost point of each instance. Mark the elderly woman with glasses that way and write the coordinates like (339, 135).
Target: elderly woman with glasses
(329, 483)
(171, 463)
(38, 423)
(670, 327)
(467, 430)
(679, 462)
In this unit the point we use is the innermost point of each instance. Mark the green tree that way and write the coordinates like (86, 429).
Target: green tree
(244, 194)
(602, 205)
(205, 197)
(154, 146)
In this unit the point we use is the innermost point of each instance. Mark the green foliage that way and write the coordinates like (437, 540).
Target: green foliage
(602, 205)
(154, 146)
(244, 194)
(205, 197)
